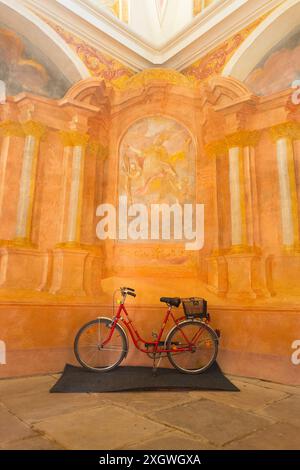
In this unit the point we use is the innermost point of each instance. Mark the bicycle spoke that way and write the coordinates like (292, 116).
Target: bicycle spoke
(91, 355)
(99, 332)
(112, 349)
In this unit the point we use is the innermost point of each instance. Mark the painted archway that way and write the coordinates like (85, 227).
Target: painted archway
(278, 25)
(19, 18)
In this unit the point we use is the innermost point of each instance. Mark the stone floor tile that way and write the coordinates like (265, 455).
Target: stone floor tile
(278, 436)
(24, 386)
(250, 397)
(234, 378)
(38, 406)
(33, 443)
(172, 441)
(216, 422)
(106, 428)
(289, 389)
(287, 411)
(146, 402)
(11, 428)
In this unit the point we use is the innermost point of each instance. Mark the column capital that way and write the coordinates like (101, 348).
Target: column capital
(239, 139)
(290, 130)
(243, 139)
(11, 128)
(74, 138)
(34, 128)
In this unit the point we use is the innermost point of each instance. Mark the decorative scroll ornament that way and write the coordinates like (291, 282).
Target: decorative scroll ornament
(214, 62)
(173, 77)
(99, 64)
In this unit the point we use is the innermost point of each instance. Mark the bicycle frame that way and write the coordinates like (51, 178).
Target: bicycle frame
(136, 338)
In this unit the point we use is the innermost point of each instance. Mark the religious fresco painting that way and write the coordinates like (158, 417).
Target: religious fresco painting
(157, 163)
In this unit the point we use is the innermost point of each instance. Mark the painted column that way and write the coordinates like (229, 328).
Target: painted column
(74, 154)
(284, 136)
(9, 130)
(240, 269)
(74, 210)
(246, 277)
(93, 270)
(287, 220)
(21, 264)
(236, 197)
(216, 263)
(33, 132)
(250, 184)
(243, 191)
(296, 149)
(69, 257)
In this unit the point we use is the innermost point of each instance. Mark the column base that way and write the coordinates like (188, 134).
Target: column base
(246, 276)
(217, 275)
(283, 273)
(22, 268)
(68, 272)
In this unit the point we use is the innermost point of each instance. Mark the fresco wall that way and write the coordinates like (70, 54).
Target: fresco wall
(157, 136)
(157, 163)
(279, 69)
(24, 68)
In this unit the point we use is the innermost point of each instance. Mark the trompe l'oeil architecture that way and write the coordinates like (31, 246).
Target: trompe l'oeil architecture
(96, 105)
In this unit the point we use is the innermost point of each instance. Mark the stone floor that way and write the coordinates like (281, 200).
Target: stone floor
(262, 416)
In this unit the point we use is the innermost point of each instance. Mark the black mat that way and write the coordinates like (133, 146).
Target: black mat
(79, 380)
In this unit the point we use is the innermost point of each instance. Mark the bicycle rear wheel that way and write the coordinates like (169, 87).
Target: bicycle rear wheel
(90, 351)
(202, 342)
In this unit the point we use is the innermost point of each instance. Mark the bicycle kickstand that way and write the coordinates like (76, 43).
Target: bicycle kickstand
(155, 367)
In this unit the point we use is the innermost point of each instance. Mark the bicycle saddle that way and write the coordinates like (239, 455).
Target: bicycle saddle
(174, 301)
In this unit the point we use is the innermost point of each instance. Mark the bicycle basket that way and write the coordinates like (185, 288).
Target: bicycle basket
(195, 307)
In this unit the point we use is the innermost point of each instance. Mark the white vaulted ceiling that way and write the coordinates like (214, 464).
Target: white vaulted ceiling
(147, 33)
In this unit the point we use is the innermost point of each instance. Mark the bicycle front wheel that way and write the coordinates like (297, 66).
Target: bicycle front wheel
(96, 349)
(200, 343)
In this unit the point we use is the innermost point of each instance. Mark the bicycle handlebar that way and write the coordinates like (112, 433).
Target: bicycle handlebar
(132, 294)
(127, 291)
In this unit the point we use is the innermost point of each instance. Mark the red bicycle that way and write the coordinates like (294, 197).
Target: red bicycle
(191, 345)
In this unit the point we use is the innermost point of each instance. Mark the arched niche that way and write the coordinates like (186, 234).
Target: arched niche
(157, 157)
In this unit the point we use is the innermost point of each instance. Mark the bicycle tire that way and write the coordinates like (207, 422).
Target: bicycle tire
(172, 355)
(105, 322)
